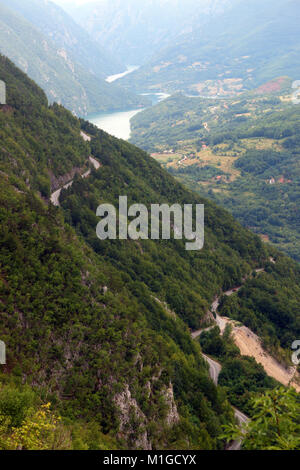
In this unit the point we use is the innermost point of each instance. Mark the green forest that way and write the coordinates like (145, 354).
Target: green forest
(94, 356)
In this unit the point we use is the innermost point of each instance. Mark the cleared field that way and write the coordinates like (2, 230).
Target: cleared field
(221, 157)
(165, 158)
(262, 144)
(223, 162)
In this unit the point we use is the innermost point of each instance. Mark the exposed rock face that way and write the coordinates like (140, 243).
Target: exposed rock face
(132, 419)
(208, 318)
(172, 415)
(58, 182)
(251, 345)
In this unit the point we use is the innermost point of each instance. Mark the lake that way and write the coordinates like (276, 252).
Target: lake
(130, 69)
(118, 123)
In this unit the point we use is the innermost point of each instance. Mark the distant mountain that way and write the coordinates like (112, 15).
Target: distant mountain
(247, 45)
(68, 36)
(134, 30)
(53, 68)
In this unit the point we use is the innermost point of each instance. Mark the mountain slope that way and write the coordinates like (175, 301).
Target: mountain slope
(64, 81)
(80, 317)
(76, 327)
(134, 30)
(61, 29)
(245, 46)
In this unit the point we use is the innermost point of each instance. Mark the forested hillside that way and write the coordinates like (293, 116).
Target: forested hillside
(243, 153)
(84, 320)
(63, 70)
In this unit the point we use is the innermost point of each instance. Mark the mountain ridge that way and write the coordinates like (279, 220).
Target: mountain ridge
(64, 81)
(240, 49)
(135, 30)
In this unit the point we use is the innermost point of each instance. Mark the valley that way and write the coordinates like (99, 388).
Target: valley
(221, 54)
(161, 342)
(62, 58)
(236, 152)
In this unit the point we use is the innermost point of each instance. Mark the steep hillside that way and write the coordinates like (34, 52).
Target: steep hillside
(248, 44)
(64, 80)
(84, 320)
(88, 336)
(68, 36)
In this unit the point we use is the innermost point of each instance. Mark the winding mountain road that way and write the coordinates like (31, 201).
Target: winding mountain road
(214, 367)
(249, 345)
(242, 418)
(214, 372)
(55, 196)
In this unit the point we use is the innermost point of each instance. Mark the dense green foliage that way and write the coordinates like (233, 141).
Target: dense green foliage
(65, 335)
(84, 320)
(185, 280)
(275, 424)
(26, 423)
(29, 134)
(64, 79)
(77, 326)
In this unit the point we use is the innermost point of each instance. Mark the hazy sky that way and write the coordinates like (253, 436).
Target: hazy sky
(77, 2)
(71, 2)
